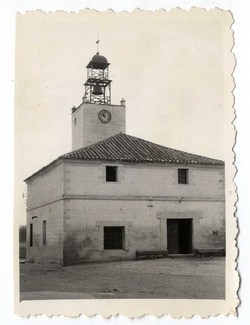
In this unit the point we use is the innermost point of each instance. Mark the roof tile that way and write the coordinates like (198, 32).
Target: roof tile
(123, 147)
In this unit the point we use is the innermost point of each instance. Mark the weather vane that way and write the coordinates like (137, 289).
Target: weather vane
(97, 44)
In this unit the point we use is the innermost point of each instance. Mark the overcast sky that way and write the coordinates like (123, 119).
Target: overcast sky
(173, 69)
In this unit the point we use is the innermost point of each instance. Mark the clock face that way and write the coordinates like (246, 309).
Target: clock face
(104, 116)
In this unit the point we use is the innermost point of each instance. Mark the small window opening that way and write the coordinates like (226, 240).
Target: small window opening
(31, 235)
(75, 120)
(44, 232)
(111, 174)
(182, 176)
(114, 237)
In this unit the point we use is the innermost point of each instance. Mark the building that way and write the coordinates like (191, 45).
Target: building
(115, 194)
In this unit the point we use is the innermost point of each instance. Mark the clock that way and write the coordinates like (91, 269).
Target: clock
(104, 116)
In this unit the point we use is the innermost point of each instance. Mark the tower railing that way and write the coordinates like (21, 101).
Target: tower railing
(98, 84)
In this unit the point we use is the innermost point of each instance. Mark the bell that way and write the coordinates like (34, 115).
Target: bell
(97, 90)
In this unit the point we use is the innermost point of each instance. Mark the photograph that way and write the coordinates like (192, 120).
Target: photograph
(123, 156)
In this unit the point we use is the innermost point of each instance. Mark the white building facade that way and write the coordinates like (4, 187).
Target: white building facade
(115, 194)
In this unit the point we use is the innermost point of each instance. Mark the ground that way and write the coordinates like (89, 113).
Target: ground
(170, 278)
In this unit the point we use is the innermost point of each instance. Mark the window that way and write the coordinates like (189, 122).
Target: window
(44, 232)
(182, 176)
(31, 234)
(114, 237)
(75, 120)
(111, 173)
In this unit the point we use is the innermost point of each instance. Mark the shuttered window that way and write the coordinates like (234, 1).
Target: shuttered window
(182, 176)
(113, 237)
(111, 173)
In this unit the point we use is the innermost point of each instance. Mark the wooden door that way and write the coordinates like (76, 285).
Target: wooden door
(173, 236)
(185, 236)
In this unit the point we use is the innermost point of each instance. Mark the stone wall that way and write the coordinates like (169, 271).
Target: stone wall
(46, 187)
(45, 203)
(87, 129)
(145, 226)
(77, 203)
(144, 180)
(52, 251)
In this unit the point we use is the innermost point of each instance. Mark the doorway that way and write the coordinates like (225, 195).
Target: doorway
(179, 236)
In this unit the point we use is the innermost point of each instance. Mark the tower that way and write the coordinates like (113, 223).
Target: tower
(98, 85)
(96, 119)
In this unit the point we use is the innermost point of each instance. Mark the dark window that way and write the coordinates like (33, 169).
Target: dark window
(111, 174)
(113, 237)
(31, 235)
(182, 176)
(44, 232)
(75, 120)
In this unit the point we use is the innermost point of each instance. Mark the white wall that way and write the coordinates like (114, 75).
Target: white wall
(89, 129)
(144, 180)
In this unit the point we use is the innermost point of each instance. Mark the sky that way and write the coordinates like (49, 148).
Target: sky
(173, 69)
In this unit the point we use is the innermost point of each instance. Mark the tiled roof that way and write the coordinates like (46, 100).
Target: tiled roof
(125, 148)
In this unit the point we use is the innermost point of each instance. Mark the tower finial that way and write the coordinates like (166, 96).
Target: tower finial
(97, 45)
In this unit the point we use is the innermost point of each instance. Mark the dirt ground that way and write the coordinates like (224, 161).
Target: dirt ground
(170, 278)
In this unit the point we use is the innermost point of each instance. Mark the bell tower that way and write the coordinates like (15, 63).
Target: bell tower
(98, 85)
(96, 119)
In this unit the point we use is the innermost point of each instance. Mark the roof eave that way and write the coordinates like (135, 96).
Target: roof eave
(101, 160)
(44, 169)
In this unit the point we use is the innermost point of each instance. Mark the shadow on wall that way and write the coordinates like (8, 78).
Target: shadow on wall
(77, 250)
